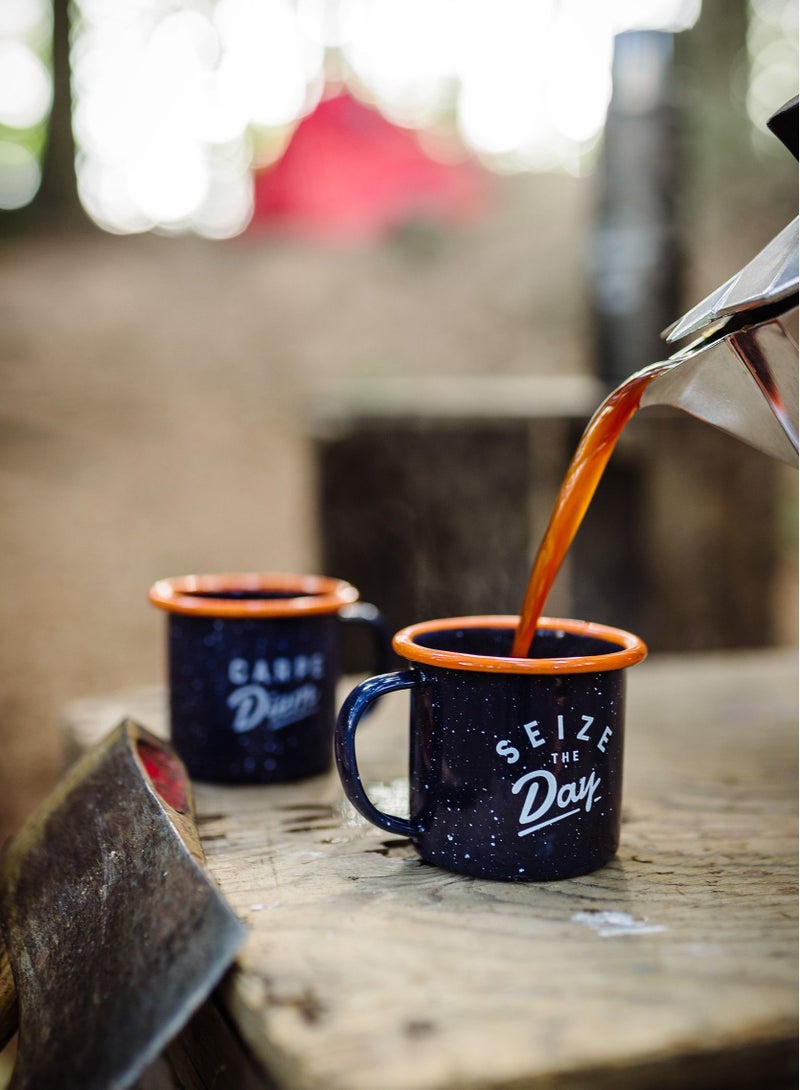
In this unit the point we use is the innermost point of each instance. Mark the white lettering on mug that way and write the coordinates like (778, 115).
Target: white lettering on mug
(565, 757)
(254, 705)
(237, 672)
(280, 670)
(505, 749)
(604, 737)
(582, 736)
(552, 806)
(546, 799)
(534, 734)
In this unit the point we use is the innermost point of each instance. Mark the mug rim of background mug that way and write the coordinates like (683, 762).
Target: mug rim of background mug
(309, 595)
(631, 649)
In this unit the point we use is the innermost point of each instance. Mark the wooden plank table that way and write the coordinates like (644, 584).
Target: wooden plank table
(674, 966)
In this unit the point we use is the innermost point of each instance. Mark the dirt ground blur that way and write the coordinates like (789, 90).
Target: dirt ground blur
(154, 415)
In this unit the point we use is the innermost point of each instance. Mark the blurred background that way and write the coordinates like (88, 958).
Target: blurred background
(214, 211)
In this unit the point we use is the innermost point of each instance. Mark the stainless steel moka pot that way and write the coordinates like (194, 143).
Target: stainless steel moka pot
(741, 374)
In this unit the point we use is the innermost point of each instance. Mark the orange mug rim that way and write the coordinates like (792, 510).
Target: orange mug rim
(194, 595)
(631, 649)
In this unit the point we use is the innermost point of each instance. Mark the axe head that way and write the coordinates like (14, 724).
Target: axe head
(115, 933)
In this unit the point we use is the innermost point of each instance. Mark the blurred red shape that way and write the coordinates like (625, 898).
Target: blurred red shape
(348, 173)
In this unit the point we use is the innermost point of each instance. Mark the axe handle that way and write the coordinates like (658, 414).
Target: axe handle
(9, 1012)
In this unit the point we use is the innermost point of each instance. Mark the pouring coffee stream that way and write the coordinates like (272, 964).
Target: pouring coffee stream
(744, 383)
(577, 490)
(740, 376)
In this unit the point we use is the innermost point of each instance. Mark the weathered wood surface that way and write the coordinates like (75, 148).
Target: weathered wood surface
(674, 966)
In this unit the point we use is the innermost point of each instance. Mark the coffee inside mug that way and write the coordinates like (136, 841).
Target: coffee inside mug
(243, 595)
(496, 642)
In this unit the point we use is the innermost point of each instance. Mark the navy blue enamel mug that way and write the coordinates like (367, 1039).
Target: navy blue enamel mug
(515, 764)
(253, 661)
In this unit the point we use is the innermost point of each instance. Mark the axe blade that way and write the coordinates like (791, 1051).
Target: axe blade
(115, 933)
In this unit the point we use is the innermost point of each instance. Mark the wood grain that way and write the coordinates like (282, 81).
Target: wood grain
(675, 965)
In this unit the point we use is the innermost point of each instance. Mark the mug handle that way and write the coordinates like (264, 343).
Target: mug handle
(354, 707)
(364, 613)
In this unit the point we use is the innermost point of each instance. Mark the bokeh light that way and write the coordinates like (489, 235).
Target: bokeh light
(175, 101)
(25, 86)
(25, 97)
(772, 47)
(405, 54)
(19, 175)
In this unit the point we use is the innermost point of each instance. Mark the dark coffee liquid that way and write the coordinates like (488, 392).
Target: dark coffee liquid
(247, 595)
(577, 489)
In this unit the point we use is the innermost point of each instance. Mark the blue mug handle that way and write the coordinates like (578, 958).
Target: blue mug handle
(357, 703)
(364, 613)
